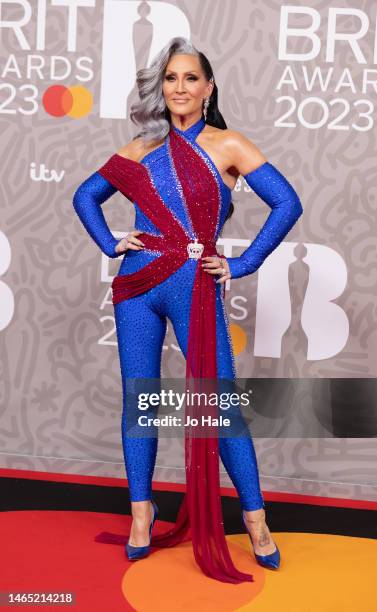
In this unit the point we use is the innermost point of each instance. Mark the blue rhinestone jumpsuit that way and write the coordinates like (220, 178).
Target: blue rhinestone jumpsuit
(141, 321)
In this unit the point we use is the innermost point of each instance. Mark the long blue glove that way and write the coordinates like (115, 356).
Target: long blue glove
(270, 185)
(87, 201)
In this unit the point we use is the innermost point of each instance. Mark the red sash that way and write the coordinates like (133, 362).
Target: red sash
(201, 506)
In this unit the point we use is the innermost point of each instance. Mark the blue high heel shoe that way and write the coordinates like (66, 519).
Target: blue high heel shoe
(271, 561)
(139, 552)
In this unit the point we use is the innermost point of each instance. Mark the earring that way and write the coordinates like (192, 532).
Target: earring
(205, 108)
(206, 101)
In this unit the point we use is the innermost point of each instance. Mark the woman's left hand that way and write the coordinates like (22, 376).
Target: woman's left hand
(217, 265)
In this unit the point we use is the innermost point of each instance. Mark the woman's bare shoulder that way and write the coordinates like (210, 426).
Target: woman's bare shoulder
(243, 152)
(133, 150)
(136, 149)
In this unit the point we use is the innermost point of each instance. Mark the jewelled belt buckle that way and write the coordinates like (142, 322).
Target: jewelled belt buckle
(195, 249)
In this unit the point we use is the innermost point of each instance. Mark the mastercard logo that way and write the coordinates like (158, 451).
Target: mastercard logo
(239, 338)
(60, 101)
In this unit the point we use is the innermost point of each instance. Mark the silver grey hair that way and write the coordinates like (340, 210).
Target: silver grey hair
(149, 112)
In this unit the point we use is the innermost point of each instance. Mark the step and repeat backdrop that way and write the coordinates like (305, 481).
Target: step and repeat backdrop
(300, 81)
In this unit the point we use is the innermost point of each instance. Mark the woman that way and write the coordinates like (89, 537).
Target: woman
(179, 172)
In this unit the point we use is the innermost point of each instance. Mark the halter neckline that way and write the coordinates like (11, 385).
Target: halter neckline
(191, 132)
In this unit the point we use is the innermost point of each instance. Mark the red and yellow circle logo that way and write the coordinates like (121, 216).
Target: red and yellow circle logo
(75, 101)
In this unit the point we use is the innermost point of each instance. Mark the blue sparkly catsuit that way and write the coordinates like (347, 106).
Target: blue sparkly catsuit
(141, 321)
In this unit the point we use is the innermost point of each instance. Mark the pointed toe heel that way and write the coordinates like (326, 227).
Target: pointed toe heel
(139, 552)
(271, 561)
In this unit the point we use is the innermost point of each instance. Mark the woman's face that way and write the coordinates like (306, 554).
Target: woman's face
(185, 85)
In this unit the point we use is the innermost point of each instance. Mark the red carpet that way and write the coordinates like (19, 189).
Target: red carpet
(55, 551)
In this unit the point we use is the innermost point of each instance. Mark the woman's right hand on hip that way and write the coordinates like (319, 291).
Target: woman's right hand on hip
(130, 242)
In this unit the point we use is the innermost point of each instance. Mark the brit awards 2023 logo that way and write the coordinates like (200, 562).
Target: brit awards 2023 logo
(128, 28)
(134, 31)
(320, 37)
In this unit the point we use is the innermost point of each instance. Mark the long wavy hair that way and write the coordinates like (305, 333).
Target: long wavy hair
(151, 112)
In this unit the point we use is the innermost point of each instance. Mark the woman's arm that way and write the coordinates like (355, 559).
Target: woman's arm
(87, 202)
(274, 189)
(90, 196)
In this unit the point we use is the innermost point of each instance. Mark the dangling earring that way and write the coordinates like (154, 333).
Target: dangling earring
(206, 101)
(205, 108)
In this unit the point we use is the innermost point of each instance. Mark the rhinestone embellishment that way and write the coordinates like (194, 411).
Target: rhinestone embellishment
(195, 249)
